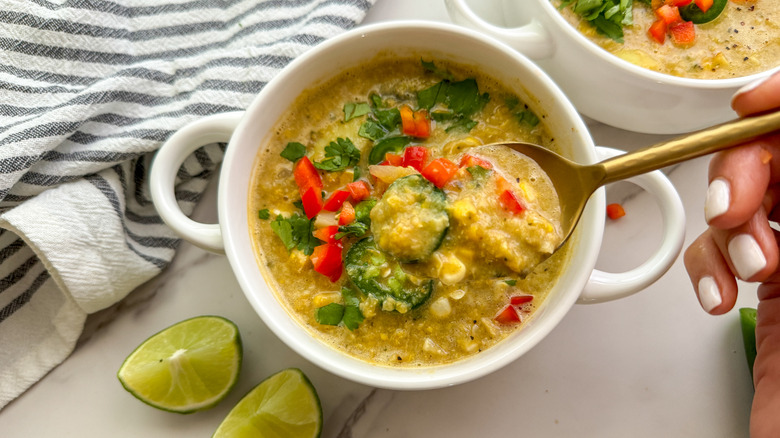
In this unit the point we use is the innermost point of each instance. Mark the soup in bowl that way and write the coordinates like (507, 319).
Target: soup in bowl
(681, 86)
(374, 228)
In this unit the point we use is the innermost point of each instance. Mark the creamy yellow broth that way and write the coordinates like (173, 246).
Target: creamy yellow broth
(485, 257)
(744, 39)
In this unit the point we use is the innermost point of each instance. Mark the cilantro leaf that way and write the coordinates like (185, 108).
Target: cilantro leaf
(432, 95)
(511, 282)
(330, 314)
(438, 71)
(390, 119)
(527, 116)
(294, 151)
(357, 229)
(352, 110)
(607, 16)
(339, 155)
(376, 100)
(463, 97)
(295, 232)
(372, 130)
(352, 315)
(385, 145)
(263, 214)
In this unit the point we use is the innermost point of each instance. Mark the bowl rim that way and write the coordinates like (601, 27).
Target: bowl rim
(234, 224)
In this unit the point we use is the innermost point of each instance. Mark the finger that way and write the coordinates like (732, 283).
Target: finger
(738, 179)
(764, 421)
(758, 96)
(715, 285)
(750, 250)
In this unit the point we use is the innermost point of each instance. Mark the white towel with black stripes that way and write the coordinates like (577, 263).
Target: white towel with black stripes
(89, 89)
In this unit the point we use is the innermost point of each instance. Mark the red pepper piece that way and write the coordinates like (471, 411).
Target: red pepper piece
(678, 3)
(615, 211)
(335, 200)
(704, 5)
(669, 14)
(415, 123)
(657, 31)
(392, 159)
(327, 234)
(326, 259)
(508, 315)
(312, 201)
(439, 171)
(347, 214)
(306, 175)
(683, 33)
(517, 300)
(359, 190)
(471, 161)
(415, 156)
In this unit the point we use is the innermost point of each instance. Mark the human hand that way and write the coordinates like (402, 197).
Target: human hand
(743, 192)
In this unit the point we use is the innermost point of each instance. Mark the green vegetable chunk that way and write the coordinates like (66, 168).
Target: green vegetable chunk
(366, 265)
(747, 319)
(410, 220)
(691, 12)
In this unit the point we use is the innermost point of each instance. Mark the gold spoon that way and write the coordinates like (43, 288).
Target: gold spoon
(576, 182)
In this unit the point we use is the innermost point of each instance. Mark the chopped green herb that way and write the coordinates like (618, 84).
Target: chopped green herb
(295, 232)
(430, 96)
(527, 116)
(376, 100)
(385, 145)
(372, 130)
(340, 154)
(330, 314)
(390, 119)
(607, 16)
(294, 151)
(352, 314)
(464, 98)
(478, 172)
(511, 282)
(264, 214)
(356, 229)
(438, 71)
(352, 110)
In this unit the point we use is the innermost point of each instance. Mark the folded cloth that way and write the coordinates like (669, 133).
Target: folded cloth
(88, 90)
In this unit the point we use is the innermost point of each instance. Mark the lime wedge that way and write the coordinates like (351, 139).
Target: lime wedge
(187, 367)
(284, 405)
(747, 319)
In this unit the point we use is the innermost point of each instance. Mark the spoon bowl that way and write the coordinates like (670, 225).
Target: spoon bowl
(575, 182)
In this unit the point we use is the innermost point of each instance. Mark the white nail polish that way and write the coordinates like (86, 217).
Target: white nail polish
(746, 256)
(709, 294)
(718, 199)
(749, 87)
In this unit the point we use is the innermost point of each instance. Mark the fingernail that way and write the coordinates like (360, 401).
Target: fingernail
(749, 87)
(709, 294)
(746, 256)
(718, 199)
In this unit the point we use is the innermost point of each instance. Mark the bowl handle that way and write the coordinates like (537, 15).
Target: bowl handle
(532, 39)
(216, 128)
(607, 286)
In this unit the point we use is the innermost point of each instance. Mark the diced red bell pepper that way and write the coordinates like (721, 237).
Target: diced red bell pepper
(306, 175)
(508, 315)
(470, 161)
(326, 259)
(683, 33)
(704, 5)
(392, 159)
(518, 300)
(347, 214)
(510, 202)
(359, 190)
(327, 234)
(335, 200)
(415, 123)
(677, 3)
(312, 201)
(415, 156)
(439, 171)
(669, 14)
(657, 31)
(615, 211)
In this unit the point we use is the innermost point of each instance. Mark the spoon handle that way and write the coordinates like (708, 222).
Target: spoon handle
(689, 146)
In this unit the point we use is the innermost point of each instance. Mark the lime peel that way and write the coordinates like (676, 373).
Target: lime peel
(187, 367)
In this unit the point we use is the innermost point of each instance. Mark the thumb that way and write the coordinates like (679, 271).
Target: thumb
(764, 421)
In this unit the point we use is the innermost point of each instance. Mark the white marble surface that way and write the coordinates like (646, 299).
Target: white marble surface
(651, 365)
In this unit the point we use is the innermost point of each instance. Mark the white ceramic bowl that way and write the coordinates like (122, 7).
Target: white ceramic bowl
(603, 86)
(247, 131)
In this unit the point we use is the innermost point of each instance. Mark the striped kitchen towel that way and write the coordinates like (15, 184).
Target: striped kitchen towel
(88, 90)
